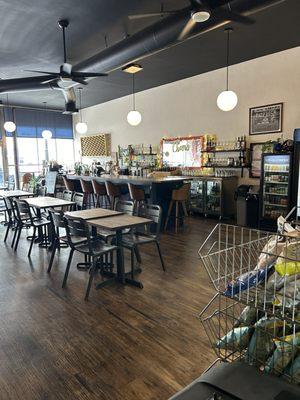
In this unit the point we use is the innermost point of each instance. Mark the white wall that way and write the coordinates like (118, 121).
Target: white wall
(189, 106)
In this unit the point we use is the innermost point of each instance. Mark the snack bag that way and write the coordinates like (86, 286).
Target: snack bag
(294, 370)
(236, 339)
(248, 317)
(287, 263)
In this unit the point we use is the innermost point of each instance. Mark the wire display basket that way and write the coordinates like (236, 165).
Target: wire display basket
(255, 314)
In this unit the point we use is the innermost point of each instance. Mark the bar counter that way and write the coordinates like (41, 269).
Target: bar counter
(157, 189)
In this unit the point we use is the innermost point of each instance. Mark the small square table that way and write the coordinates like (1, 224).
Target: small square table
(93, 213)
(117, 224)
(14, 193)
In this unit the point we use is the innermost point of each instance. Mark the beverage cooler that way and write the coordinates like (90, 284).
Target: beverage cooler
(213, 196)
(296, 172)
(275, 189)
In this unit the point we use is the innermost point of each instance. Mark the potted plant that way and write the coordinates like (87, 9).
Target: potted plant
(78, 168)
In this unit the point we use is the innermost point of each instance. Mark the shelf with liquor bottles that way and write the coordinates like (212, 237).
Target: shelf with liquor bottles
(237, 156)
(275, 188)
(138, 159)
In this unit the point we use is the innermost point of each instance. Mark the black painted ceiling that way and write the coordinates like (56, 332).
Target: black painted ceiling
(30, 39)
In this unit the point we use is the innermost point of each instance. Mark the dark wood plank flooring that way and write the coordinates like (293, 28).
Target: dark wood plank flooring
(125, 343)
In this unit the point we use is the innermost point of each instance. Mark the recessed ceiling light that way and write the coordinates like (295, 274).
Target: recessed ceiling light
(132, 68)
(200, 16)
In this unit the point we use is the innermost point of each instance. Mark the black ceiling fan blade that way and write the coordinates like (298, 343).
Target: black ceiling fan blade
(41, 72)
(235, 17)
(79, 80)
(151, 15)
(54, 79)
(83, 74)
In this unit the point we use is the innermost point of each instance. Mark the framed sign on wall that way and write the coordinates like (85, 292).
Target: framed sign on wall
(265, 119)
(182, 151)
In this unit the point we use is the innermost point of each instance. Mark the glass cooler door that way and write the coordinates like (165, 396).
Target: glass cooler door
(275, 185)
(213, 201)
(197, 196)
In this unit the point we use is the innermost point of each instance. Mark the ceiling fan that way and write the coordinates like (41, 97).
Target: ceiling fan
(66, 78)
(200, 11)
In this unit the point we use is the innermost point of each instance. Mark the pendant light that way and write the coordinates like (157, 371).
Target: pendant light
(46, 133)
(81, 127)
(134, 117)
(227, 100)
(9, 126)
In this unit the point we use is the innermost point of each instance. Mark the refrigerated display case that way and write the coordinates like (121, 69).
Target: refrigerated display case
(275, 189)
(296, 172)
(213, 196)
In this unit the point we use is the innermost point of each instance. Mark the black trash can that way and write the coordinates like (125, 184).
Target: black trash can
(247, 205)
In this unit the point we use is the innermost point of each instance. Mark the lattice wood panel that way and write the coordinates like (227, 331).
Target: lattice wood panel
(96, 145)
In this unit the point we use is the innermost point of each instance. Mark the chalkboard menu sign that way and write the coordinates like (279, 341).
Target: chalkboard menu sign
(182, 151)
(50, 179)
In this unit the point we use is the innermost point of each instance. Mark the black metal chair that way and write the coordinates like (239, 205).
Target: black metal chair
(149, 233)
(94, 247)
(67, 195)
(78, 199)
(42, 191)
(25, 219)
(10, 220)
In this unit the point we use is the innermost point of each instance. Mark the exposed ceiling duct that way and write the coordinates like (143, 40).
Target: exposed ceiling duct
(155, 38)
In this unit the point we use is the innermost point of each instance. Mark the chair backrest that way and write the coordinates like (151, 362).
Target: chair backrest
(78, 199)
(126, 207)
(76, 228)
(9, 208)
(22, 210)
(86, 186)
(68, 195)
(99, 188)
(69, 184)
(136, 193)
(181, 194)
(56, 218)
(112, 189)
(153, 212)
(42, 191)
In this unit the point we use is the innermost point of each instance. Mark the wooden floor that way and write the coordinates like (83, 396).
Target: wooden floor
(125, 343)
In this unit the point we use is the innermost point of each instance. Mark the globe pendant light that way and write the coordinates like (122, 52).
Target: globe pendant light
(134, 117)
(46, 133)
(227, 100)
(9, 126)
(81, 127)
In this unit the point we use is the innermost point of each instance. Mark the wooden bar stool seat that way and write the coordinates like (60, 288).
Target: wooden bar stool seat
(137, 195)
(114, 193)
(179, 197)
(100, 192)
(88, 191)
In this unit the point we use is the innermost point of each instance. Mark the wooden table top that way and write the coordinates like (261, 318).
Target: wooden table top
(93, 213)
(119, 222)
(14, 193)
(47, 202)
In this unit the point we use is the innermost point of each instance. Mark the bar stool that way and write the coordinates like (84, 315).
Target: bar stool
(88, 191)
(69, 184)
(179, 196)
(137, 195)
(114, 192)
(102, 198)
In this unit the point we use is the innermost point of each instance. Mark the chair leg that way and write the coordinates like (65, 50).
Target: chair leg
(55, 246)
(6, 233)
(160, 256)
(176, 217)
(18, 237)
(168, 214)
(16, 230)
(68, 268)
(184, 208)
(32, 241)
(92, 273)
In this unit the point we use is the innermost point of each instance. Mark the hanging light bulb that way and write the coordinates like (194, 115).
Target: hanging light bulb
(9, 126)
(46, 133)
(134, 117)
(81, 127)
(227, 100)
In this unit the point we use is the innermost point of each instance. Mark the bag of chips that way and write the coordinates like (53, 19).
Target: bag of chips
(284, 354)
(293, 371)
(236, 339)
(287, 263)
(248, 317)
